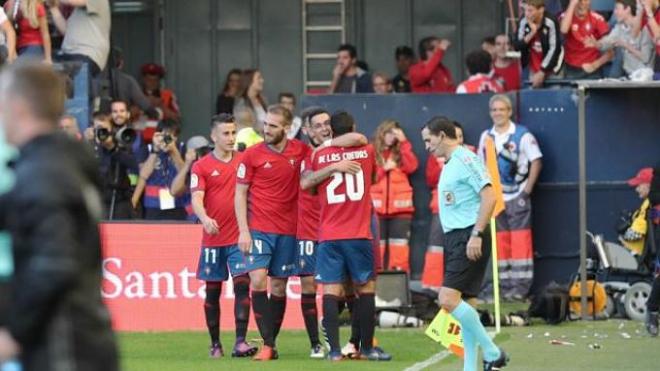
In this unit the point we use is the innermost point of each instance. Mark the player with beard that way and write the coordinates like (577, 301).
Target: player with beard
(266, 211)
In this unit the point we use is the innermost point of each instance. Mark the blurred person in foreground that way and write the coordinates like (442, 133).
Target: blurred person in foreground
(56, 318)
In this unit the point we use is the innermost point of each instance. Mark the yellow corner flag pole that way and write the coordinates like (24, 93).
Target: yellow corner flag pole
(491, 165)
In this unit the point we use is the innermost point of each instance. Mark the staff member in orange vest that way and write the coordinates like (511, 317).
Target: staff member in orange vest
(433, 273)
(159, 97)
(392, 194)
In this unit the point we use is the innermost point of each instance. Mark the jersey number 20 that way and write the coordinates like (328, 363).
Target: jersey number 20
(354, 187)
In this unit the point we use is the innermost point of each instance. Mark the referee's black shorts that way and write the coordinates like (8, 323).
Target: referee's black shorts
(461, 273)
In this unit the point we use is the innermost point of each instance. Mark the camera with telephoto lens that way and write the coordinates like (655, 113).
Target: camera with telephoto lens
(167, 139)
(124, 136)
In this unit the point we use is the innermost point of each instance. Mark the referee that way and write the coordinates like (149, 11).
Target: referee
(467, 201)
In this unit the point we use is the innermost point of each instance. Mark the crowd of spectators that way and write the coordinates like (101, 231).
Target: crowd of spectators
(575, 43)
(137, 133)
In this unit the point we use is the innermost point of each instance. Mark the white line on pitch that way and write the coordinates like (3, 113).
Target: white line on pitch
(429, 362)
(435, 359)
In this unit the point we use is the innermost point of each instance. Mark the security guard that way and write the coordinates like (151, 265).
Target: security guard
(467, 201)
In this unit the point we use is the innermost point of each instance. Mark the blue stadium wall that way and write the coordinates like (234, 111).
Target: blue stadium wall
(623, 135)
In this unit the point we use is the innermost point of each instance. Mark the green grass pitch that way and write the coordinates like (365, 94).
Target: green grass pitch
(624, 345)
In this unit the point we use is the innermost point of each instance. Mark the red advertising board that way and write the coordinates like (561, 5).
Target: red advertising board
(149, 280)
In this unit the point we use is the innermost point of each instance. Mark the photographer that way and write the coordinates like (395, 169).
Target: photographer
(158, 172)
(121, 118)
(116, 163)
(197, 147)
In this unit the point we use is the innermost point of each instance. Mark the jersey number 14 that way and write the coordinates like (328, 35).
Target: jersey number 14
(354, 187)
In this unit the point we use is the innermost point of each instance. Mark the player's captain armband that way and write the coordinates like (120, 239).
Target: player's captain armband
(446, 330)
(241, 171)
(6, 258)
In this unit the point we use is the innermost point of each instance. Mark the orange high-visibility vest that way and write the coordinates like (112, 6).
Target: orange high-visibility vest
(393, 194)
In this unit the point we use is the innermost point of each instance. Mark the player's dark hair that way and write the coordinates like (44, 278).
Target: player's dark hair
(342, 122)
(309, 113)
(478, 61)
(348, 48)
(222, 118)
(439, 124)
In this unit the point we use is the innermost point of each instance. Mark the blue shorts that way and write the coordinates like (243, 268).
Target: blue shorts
(306, 262)
(276, 253)
(335, 258)
(213, 263)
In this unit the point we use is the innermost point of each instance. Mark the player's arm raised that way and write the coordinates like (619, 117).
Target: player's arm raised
(311, 179)
(240, 204)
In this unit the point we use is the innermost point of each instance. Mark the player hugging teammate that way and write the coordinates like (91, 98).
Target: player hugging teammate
(273, 230)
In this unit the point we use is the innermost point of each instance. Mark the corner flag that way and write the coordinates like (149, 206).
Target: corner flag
(491, 165)
(496, 183)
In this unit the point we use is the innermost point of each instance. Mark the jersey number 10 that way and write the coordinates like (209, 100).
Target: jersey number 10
(354, 187)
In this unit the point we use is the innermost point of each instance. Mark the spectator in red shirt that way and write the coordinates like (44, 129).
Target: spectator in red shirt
(429, 75)
(479, 65)
(506, 70)
(33, 39)
(578, 23)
